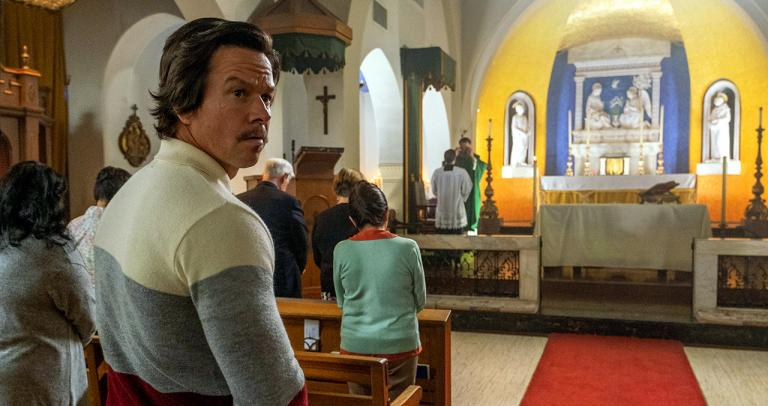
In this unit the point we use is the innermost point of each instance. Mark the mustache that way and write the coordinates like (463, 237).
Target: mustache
(256, 133)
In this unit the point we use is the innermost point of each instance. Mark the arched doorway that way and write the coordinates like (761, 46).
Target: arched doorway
(436, 138)
(381, 121)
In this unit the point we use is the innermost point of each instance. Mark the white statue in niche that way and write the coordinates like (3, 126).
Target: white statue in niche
(520, 135)
(634, 109)
(720, 127)
(597, 118)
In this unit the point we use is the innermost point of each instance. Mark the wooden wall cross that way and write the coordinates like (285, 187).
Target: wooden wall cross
(325, 98)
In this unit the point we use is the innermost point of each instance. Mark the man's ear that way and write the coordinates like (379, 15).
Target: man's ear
(185, 118)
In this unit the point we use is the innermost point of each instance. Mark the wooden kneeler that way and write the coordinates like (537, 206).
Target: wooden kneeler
(327, 376)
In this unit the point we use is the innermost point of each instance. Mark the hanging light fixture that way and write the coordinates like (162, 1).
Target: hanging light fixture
(48, 4)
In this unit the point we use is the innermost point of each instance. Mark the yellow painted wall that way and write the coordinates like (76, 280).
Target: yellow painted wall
(720, 42)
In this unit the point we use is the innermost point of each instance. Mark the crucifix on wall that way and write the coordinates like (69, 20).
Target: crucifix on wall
(325, 98)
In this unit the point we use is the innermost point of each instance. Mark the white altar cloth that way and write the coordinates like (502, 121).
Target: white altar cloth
(626, 182)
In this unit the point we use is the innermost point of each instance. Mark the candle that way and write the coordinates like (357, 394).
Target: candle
(587, 132)
(489, 128)
(661, 127)
(761, 117)
(570, 131)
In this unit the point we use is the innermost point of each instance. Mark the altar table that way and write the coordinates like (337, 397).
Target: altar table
(611, 189)
(634, 236)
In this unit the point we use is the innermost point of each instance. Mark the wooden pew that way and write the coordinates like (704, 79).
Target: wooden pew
(434, 329)
(96, 371)
(327, 376)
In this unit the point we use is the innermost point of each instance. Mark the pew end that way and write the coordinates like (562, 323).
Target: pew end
(96, 371)
(327, 376)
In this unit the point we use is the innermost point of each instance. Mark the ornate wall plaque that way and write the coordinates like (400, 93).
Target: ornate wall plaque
(133, 141)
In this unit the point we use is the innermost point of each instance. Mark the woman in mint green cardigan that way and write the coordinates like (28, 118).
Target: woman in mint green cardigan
(379, 283)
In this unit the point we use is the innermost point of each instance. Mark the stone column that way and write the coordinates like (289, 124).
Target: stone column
(578, 113)
(655, 98)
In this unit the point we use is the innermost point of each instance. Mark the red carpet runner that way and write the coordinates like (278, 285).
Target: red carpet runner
(594, 370)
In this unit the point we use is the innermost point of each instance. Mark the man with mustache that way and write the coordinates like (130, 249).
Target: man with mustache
(186, 312)
(285, 220)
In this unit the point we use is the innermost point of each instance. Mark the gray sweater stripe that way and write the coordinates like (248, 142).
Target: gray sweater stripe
(178, 344)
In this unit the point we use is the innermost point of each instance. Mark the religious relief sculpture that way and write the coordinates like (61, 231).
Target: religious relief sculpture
(133, 141)
(720, 127)
(520, 135)
(634, 109)
(520, 125)
(596, 116)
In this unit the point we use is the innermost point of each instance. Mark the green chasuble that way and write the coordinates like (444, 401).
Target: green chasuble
(476, 168)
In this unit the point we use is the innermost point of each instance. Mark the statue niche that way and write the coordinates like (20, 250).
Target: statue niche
(721, 111)
(519, 137)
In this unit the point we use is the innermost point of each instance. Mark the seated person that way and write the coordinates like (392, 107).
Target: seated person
(379, 281)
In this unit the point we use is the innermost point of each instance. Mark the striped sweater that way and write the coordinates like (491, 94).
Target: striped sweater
(184, 286)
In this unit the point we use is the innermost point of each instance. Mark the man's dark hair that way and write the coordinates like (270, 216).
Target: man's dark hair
(108, 182)
(367, 205)
(464, 140)
(32, 204)
(186, 61)
(449, 156)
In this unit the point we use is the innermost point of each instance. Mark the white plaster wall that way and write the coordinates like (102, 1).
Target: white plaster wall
(294, 99)
(86, 58)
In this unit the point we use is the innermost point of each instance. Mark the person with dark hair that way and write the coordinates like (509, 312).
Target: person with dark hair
(284, 218)
(451, 185)
(83, 228)
(186, 311)
(475, 167)
(47, 299)
(379, 299)
(331, 227)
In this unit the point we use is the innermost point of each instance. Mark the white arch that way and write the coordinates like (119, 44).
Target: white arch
(121, 82)
(387, 106)
(477, 71)
(436, 138)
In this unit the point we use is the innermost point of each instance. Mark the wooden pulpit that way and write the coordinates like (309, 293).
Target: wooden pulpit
(314, 168)
(25, 129)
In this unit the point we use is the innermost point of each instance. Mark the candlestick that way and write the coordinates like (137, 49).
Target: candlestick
(587, 164)
(569, 164)
(641, 160)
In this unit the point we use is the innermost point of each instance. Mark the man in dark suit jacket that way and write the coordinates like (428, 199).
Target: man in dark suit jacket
(285, 221)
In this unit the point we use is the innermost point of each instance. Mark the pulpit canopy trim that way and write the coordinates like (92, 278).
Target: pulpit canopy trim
(308, 37)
